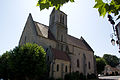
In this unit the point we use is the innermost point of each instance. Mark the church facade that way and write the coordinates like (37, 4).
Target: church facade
(65, 53)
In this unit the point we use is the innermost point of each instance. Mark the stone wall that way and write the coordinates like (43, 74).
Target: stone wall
(61, 72)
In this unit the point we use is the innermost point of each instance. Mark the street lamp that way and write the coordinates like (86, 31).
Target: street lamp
(116, 33)
(113, 42)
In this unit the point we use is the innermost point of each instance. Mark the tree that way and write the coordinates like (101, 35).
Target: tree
(4, 65)
(25, 62)
(51, 3)
(100, 63)
(110, 6)
(111, 60)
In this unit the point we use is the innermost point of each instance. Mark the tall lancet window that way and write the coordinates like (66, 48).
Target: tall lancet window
(61, 37)
(78, 63)
(61, 18)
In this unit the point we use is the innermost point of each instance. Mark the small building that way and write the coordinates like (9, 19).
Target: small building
(111, 70)
(65, 53)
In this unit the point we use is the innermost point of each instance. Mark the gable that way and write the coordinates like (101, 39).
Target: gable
(86, 44)
(29, 31)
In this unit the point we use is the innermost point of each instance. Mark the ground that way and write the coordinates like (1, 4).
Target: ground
(109, 78)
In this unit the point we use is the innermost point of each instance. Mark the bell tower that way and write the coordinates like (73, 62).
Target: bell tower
(58, 25)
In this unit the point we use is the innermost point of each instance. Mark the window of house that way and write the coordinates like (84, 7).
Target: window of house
(66, 68)
(61, 37)
(57, 67)
(78, 63)
(53, 18)
(25, 38)
(89, 65)
(61, 47)
(61, 18)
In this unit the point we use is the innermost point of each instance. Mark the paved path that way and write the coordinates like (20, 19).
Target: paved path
(110, 78)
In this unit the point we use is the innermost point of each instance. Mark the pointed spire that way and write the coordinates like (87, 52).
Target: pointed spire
(30, 17)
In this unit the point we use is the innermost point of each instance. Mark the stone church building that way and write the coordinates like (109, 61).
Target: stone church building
(65, 53)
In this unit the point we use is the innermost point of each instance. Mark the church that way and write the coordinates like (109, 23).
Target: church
(65, 53)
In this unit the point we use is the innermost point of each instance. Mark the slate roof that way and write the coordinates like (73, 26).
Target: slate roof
(44, 31)
(60, 55)
(78, 42)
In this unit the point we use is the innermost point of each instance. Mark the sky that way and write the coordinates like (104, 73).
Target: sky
(83, 20)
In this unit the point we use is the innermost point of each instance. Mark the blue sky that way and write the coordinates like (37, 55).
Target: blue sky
(83, 20)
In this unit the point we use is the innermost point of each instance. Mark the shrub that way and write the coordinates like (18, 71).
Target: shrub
(59, 79)
(91, 76)
(75, 76)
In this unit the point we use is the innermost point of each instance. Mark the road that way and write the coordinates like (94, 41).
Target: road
(110, 78)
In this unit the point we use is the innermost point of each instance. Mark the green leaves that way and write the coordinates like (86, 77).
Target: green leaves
(52, 3)
(24, 61)
(112, 7)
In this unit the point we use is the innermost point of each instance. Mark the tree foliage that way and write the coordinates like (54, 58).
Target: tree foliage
(4, 65)
(51, 3)
(111, 60)
(104, 7)
(25, 62)
(100, 63)
(110, 6)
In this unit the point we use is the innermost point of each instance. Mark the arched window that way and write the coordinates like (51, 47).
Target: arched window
(60, 18)
(61, 47)
(78, 63)
(63, 19)
(66, 68)
(89, 65)
(61, 37)
(57, 67)
(25, 38)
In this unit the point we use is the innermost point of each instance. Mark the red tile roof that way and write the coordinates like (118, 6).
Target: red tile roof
(60, 55)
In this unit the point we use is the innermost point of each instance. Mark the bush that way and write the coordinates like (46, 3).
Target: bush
(75, 76)
(113, 74)
(68, 77)
(82, 77)
(107, 74)
(51, 78)
(59, 79)
(91, 76)
(116, 73)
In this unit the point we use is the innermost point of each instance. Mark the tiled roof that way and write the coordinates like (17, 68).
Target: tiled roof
(60, 55)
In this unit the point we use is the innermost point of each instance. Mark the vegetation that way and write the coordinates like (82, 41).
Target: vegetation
(25, 62)
(51, 3)
(104, 7)
(111, 60)
(100, 63)
(108, 6)
(79, 76)
(107, 59)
